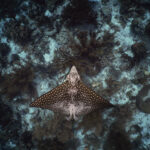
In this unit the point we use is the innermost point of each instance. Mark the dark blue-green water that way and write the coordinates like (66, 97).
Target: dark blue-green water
(108, 41)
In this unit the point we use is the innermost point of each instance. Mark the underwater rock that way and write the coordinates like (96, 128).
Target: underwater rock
(4, 51)
(105, 1)
(131, 9)
(117, 140)
(40, 2)
(5, 119)
(113, 87)
(9, 8)
(135, 134)
(53, 4)
(45, 21)
(139, 51)
(92, 121)
(73, 14)
(142, 1)
(53, 128)
(26, 139)
(21, 79)
(93, 140)
(115, 74)
(123, 114)
(127, 62)
(49, 144)
(106, 12)
(49, 70)
(34, 10)
(18, 32)
(57, 132)
(14, 58)
(142, 77)
(125, 6)
(89, 54)
(10, 127)
(147, 29)
(136, 144)
(136, 26)
(143, 99)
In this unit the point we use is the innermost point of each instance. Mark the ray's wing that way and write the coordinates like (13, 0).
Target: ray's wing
(91, 98)
(53, 99)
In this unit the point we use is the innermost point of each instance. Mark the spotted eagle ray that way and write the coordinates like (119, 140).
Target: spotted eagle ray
(72, 98)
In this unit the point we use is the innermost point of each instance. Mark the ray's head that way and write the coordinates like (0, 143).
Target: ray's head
(73, 70)
(73, 76)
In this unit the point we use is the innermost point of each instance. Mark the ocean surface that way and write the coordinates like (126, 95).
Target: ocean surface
(108, 41)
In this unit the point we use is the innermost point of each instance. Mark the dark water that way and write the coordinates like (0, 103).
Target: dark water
(109, 43)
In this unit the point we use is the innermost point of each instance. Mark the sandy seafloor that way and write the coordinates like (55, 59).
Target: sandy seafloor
(39, 42)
